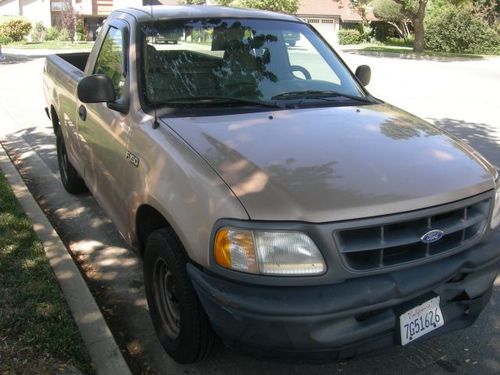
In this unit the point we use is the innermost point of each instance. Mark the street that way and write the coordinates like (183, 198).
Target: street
(460, 97)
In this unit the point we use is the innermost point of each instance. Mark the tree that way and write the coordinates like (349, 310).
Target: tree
(284, 6)
(390, 12)
(68, 19)
(414, 10)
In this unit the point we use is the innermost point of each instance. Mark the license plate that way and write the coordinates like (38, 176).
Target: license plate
(420, 320)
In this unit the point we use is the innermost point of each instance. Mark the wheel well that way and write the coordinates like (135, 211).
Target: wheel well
(54, 118)
(147, 220)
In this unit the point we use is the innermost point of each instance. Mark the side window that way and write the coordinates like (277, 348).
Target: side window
(111, 60)
(302, 53)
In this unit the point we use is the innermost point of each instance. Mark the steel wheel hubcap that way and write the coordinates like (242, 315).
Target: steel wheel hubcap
(166, 299)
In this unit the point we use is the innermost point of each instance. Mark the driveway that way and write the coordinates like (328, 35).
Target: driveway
(457, 96)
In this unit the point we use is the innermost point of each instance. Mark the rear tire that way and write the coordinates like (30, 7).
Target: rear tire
(70, 179)
(180, 322)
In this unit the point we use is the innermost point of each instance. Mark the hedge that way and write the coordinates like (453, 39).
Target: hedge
(15, 28)
(458, 29)
(350, 36)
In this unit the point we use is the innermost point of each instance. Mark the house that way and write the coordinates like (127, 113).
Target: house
(34, 10)
(50, 12)
(329, 16)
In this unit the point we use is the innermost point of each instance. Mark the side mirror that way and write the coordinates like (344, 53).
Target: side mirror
(96, 88)
(364, 74)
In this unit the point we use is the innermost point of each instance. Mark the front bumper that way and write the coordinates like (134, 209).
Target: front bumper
(351, 317)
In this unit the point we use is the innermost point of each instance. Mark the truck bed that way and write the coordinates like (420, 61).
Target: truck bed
(77, 59)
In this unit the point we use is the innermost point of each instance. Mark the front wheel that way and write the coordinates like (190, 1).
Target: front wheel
(70, 179)
(181, 324)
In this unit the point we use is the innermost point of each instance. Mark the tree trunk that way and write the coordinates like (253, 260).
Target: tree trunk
(418, 24)
(407, 30)
(398, 29)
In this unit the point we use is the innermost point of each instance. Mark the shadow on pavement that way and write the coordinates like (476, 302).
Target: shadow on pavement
(10, 59)
(483, 137)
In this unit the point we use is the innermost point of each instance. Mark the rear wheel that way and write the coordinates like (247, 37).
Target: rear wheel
(70, 179)
(179, 319)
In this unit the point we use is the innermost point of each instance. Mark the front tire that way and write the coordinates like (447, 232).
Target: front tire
(180, 322)
(70, 179)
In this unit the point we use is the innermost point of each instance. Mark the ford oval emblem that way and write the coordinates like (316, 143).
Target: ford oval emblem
(432, 236)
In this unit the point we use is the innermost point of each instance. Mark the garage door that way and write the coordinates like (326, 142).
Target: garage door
(327, 27)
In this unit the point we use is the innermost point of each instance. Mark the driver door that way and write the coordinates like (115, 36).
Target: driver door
(104, 127)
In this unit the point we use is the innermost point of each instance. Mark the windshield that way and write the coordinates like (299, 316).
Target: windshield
(240, 61)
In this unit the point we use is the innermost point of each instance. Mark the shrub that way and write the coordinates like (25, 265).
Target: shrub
(458, 29)
(350, 36)
(51, 34)
(38, 32)
(15, 28)
(400, 42)
(5, 39)
(63, 36)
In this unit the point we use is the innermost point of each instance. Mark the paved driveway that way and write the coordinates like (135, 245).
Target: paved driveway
(458, 96)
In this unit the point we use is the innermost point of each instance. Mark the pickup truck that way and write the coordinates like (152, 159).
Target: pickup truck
(275, 202)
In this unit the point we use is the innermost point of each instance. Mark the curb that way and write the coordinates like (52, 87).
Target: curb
(42, 52)
(414, 56)
(100, 343)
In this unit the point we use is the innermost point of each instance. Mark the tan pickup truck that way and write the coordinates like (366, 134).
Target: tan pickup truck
(276, 203)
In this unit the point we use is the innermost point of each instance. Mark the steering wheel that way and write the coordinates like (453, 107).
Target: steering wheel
(301, 69)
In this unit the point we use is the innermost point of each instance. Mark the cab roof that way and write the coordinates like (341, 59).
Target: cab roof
(143, 13)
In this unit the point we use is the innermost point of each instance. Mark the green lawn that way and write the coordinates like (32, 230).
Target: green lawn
(51, 45)
(37, 332)
(409, 51)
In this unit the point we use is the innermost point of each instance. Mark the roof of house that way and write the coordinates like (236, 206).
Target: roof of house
(331, 8)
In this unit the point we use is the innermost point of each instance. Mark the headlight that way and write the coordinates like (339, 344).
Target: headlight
(276, 253)
(495, 219)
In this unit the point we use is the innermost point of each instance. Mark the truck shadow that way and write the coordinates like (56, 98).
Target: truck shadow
(10, 59)
(484, 138)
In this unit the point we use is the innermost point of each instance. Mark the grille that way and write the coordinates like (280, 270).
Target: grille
(394, 243)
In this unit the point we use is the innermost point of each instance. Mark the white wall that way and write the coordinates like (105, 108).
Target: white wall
(36, 10)
(327, 27)
(9, 8)
(117, 4)
(84, 7)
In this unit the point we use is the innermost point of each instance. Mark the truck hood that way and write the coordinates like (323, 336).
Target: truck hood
(336, 163)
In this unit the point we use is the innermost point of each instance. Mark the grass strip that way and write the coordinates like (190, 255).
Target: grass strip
(37, 332)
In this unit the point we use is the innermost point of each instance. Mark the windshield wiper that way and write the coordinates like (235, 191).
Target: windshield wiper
(219, 100)
(318, 94)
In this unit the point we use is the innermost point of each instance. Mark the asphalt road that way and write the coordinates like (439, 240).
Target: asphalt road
(458, 96)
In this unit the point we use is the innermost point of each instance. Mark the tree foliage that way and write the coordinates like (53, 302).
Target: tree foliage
(284, 6)
(414, 10)
(390, 12)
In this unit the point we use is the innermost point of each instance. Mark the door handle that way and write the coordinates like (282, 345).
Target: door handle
(82, 112)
